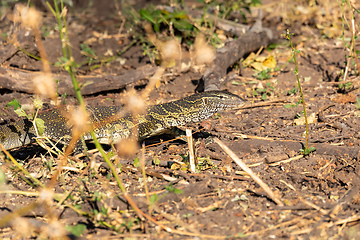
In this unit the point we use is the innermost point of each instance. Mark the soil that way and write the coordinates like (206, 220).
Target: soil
(320, 191)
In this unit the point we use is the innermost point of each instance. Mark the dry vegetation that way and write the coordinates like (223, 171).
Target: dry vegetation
(259, 190)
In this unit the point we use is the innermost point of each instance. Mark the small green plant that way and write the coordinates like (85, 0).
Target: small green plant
(76, 230)
(187, 215)
(268, 90)
(156, 161)
(164, 19)
(292, 105)
(170, 189)
(88, 52)
(14, 103)
(64, 95)
(150, 51)
(237, 83)
(66, 63)
(39, 124)
(345, 86)
(153, 199)
(127, 224)
(263, 75)
(217, 115)
(136, 162)
(225, 8)
(306, 150)
(357, 105)
(292, 91)
(2, 178)
(45, 31)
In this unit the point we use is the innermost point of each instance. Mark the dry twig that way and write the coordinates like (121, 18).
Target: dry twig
(249, 171)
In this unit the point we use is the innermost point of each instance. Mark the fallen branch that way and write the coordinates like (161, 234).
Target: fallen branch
(22, 81)
(253, 40)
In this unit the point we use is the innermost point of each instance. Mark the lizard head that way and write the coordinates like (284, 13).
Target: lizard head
(221, 100)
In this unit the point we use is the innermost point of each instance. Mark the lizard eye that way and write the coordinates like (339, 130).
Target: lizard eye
(206, 101)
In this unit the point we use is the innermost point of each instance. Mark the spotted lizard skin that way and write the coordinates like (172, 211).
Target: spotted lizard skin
(156, 120)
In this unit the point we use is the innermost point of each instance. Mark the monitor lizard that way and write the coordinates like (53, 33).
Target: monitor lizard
(156, 120)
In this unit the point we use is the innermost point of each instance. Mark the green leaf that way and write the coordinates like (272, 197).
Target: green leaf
(15, 103)
(77, 206)
(254, 92)
(236, 83)
(242, 235)
(40, 125)
(86, 49)
(307, 151)
(145, 14)
(128, 224)
(263, 96)
(256, 2)
(108, 176)
(172, 189)
(110, 154)
(104, 210)
(153, 198)
(272, 46)
(157, 27)
(183, 25)
(97, 195)
(2, 177)
(312, 149)
(357, 105)
(136, 162)
(156, 161)
(20, 112)
(292, 91)
(178, 15)
(61, 61)
(76, 230)
(289, 105)
(157, 15)
(358, 11)
(177, 191)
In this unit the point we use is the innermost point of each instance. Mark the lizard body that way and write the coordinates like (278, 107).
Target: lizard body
(156, 120)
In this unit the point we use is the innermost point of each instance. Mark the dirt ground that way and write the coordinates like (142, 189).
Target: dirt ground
(319, 192)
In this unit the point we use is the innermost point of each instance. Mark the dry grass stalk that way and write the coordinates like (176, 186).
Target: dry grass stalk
(142, 164)
(310, 204)
(286, 160)
(249, 171)
(191, 150)
(211, 207)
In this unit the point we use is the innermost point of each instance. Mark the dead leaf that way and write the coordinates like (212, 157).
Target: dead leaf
(301, 121)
